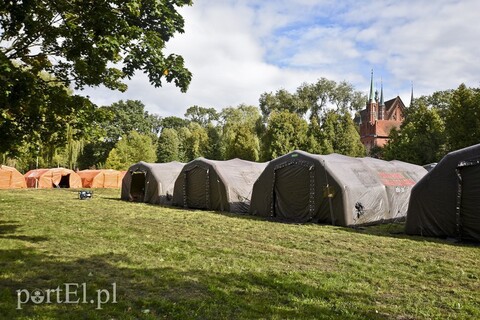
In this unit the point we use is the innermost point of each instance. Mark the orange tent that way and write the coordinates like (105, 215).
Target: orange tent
(101, 178)
(10, 178)
(53, 178)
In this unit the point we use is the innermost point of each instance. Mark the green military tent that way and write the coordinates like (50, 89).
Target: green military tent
(446, 202)
(150, 182)
(216, 185)
(335, 189)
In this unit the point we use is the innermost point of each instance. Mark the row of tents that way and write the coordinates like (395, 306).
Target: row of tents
(297, 187)
(10, 178)
(300, 187)
(333, 189)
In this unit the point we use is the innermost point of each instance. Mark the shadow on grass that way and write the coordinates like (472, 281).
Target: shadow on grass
(397, 230)
(152, 293)
(390, 229)
(9, 228)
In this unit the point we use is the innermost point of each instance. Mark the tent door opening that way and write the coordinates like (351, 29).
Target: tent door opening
(137, 187)
(197, 188)
(292, 192)
(64, 182)
(468, 215)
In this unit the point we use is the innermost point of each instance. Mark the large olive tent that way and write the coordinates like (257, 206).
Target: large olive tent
(150, 182)
(10, 178)
(53, 178)
(217, 185)
(335, 189)
(446, 202)
(101, 178)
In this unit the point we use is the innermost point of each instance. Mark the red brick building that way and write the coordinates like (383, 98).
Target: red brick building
(378, 118)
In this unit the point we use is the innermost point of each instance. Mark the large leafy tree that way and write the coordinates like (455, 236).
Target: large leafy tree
(111, 123)
(316, 97)
(132, 148)
(77, 44)
(125, 116)
(168, 146)
(421, 138)
(173, 122)
(285, 132)
(84, 42)
(281, 100)
(463, 118)
(195, 141)
(340, 131)
(240, 138)
(201, 115)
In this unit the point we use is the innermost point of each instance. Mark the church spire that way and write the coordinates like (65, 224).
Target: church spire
(371, 95)
(382, 103)
(411, 97)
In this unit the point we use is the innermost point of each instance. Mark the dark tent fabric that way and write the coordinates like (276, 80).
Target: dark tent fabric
(336, 189)
(446, 202)
(216, 185)
(150, 182)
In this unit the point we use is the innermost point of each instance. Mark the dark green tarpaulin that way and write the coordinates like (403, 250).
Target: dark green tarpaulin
(150, 182)
(335, 189)
(216, 185)
(446, 202)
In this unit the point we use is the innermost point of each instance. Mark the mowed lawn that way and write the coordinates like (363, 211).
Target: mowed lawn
(184, 264)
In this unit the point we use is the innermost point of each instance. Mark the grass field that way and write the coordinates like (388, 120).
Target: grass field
(181, 264)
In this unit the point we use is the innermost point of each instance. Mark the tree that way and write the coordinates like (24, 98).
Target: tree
(29, 118)
(240, 138)
(131, 148)
(125, 116)
(285, 132)
(48, 46)
(281, 100)
(173, 122)
(463, 118)
(315, 96)
(202, 116)
(168, 146)
(196, 142)
(421, 138)
(337, 133)
(347, 139)
(215, 150)
(82, 42)
(111, 123)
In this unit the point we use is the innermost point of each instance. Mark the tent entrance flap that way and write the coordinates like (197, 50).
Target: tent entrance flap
(294, 192)
(137, 187)
(64, 182)
(197, 186)
(468, 215)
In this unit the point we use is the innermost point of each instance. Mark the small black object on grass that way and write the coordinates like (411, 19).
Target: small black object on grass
(83, 195)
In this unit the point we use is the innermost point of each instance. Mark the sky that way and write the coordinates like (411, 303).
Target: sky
(239, 49)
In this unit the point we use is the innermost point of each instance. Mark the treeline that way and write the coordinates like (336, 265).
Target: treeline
(316, 118)
(284, 122)
(435, 125)
(74, 133)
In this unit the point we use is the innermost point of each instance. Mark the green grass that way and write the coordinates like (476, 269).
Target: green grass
(181, 264)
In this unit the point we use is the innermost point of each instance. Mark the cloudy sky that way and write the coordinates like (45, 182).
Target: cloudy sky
(238, 49)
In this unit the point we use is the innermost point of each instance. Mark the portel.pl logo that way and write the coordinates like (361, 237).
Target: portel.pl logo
(69, 293)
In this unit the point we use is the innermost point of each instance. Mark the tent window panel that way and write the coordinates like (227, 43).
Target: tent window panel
(292, 193)
(137, 187)
(470, 203)
(196, 188)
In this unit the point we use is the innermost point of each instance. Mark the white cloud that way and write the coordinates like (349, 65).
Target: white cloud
(240, 49)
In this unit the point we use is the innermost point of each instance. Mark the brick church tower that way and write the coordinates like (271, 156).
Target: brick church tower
(379, 117)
